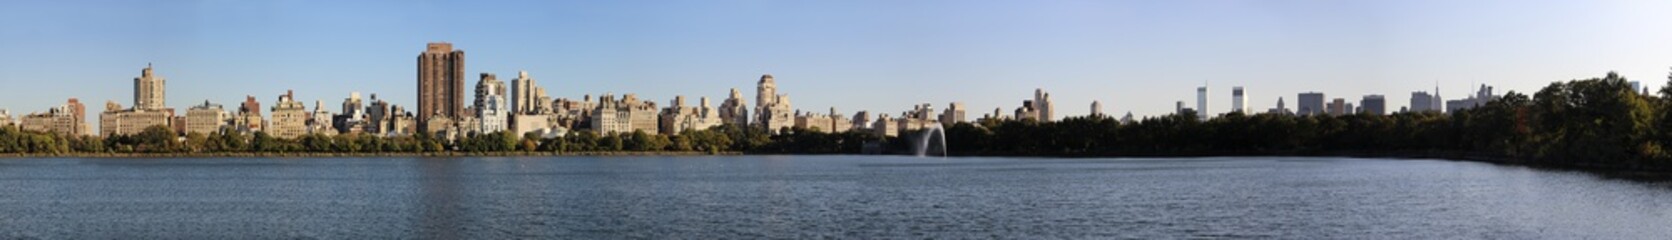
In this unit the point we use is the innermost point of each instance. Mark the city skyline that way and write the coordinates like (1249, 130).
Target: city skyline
(872, 65)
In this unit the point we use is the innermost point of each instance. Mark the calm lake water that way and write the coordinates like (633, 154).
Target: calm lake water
(809, 197)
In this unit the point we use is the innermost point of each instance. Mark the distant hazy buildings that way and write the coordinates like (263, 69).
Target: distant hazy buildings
(1309, 103)
(5, 118)
(1424, 102)
(1280, 109)
(1373, 104)
(954, 113)
(1338, 107)
(440, 82)
(1096, 108)
(1481, 97)
(1040, 108)
(1239, 100)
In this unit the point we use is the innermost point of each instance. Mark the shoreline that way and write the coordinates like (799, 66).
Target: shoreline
(339, 155)
(1639, 173)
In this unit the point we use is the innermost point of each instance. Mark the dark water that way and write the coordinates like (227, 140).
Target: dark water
(806, 197)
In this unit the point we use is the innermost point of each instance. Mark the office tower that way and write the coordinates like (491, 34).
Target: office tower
(1421, 102)
(1374, 104)
(1202, 103)
(1337, 107)
(1239, 100)
(1309, 103)
(1044, 109)
(440, 82)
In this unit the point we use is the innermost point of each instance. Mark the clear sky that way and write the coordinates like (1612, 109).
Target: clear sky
(882, 56)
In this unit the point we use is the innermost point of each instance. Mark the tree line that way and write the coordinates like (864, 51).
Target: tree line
(721, 139)
(1597, 122)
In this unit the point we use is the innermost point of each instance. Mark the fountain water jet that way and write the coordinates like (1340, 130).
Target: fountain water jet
(933, 130)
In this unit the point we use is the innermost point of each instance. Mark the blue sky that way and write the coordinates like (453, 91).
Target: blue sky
(881, 56)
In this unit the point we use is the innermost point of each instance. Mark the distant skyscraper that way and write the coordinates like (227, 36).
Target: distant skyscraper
(1040, 108)
(440, 82)
(1422, 102)
(1374, 104)
(1280, 109)
(148, 91)
(1202, 103)
(1309, 103)
(1096, 108)
(1338, 107)
(1239, 100)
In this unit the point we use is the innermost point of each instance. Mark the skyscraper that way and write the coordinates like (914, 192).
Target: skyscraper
(1373, 104)
(1422, 102)
(1309, 103)
(1202, 103)
(1096, 108)
(440, 82)
(1239, 100)
(148, 90)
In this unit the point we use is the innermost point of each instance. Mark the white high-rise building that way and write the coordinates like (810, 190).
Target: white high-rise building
(1202, 103)
(1096, 108)
(492, 112)
(1239, 100)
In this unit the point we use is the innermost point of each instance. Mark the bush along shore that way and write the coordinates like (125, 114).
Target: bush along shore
(1597, 123)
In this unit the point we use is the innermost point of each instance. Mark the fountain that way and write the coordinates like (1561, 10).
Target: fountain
(933, 130)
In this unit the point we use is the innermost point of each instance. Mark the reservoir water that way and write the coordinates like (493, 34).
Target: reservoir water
(811, 197)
